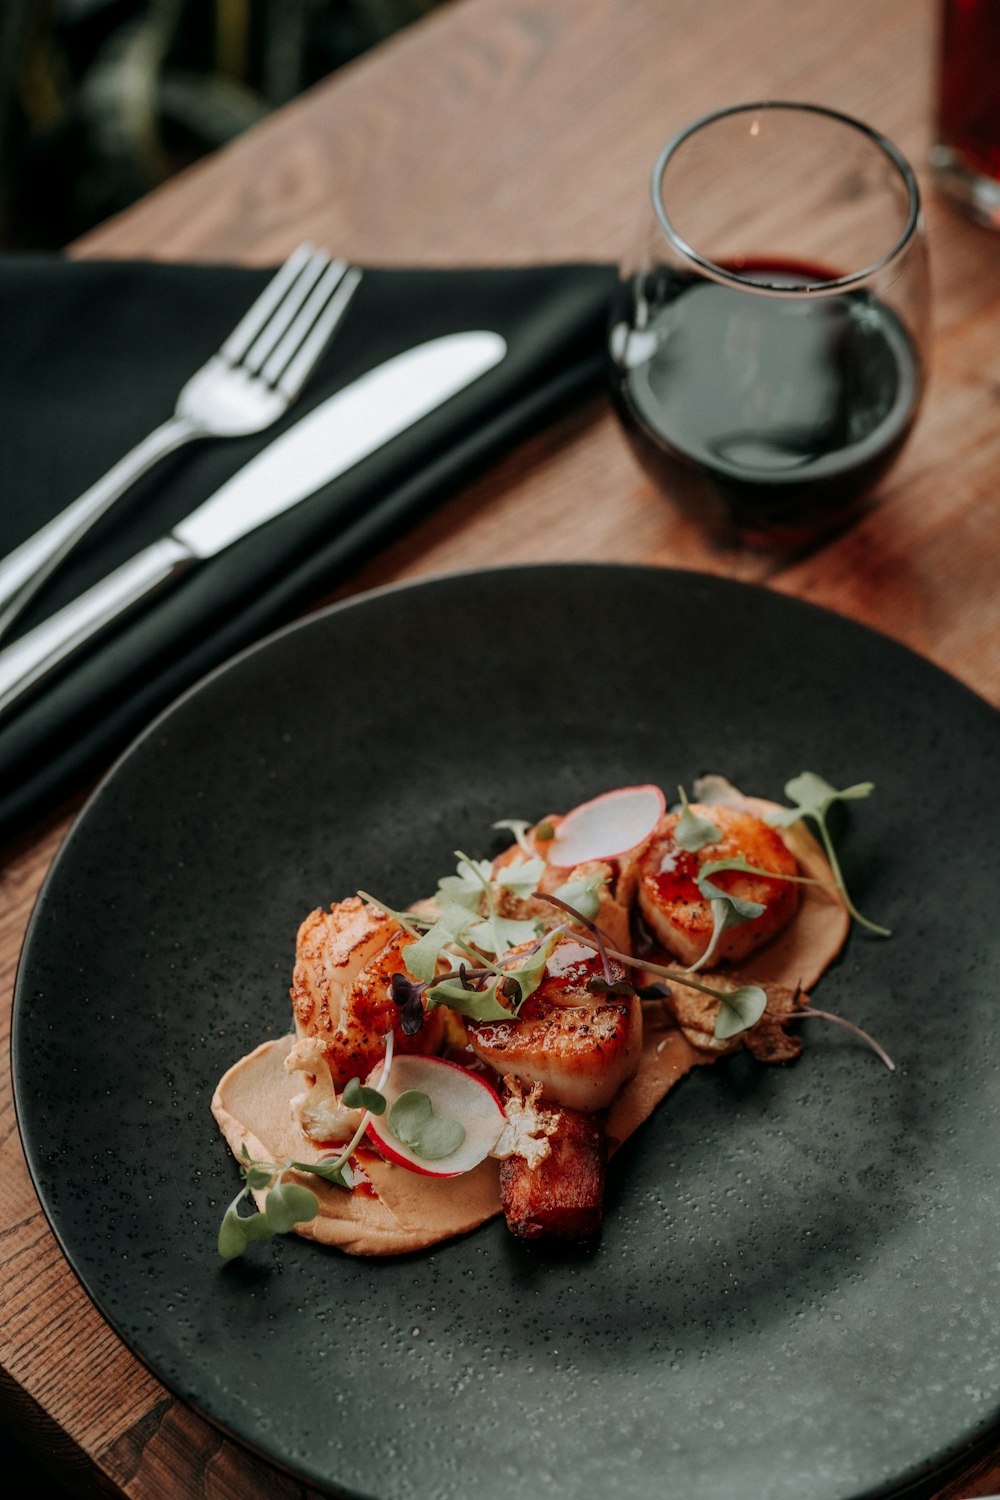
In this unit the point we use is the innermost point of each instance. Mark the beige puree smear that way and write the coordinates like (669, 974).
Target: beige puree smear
(252, 1103)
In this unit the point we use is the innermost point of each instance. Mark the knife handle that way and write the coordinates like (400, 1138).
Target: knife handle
(26, 663)
(24, 570)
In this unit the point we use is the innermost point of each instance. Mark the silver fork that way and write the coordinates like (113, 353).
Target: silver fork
(245, 387)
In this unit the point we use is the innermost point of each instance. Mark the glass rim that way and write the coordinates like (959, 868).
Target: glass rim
(734, 278)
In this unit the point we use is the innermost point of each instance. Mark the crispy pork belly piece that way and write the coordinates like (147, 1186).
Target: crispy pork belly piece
(672, 906)
(344, 962)
(562, 1196)
(579, 1046)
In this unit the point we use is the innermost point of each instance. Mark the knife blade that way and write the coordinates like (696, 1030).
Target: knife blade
(330, 440)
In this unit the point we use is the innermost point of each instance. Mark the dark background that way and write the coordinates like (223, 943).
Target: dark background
(100, 100)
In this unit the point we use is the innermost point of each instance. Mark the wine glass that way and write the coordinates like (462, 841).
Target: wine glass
(768, 339)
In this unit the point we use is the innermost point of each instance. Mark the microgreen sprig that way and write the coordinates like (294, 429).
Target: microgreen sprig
(504, 952)
(413, 921)
(289, 1203)
(496, 934)
(805, 1011)
(474, 992)
(691, 832)
(812, 798)
(739, 1009)
(519, 827)
(727, 911)
(286, 1204)
(741, 863)
(412, 1120)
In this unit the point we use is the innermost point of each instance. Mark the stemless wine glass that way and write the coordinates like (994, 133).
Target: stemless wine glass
(768, 339)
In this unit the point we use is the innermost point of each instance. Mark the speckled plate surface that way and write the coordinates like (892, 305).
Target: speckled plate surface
(796, 1292)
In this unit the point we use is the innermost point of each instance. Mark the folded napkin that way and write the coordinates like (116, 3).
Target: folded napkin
(91, 359)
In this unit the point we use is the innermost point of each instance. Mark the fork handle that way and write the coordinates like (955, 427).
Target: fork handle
(24, 570)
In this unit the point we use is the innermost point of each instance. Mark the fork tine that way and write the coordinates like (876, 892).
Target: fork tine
(293, 335)
(325, 307)
(254, 319)
(285, 312)
(303, 364)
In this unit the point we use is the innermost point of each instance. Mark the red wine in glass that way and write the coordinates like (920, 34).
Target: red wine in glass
(769, 417)
(769, 336)
(966, 151)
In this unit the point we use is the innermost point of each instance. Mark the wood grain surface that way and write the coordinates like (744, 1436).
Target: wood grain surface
(498, 132)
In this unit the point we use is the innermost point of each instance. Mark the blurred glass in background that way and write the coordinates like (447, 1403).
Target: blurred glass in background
(100, 100)
(965, 156)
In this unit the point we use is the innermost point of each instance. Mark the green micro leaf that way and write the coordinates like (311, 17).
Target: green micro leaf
(236, 1231)
(256, 1227)
(739, 1010)
(692, 832)
(813, 797)
(741, 863)
(232, 1241)
(438, 1137)
(584, 895)
(467, 886)
(412, 1120)
(531, 971)
(421, 957)
(521, 876)
(357, 1096)
(741, 910)
(475, 1005)
(519, 828)
(497, 935)
(409, 1111)
(258, 1176)
(335, 1169)
(287, 1205)
(727, 911)
(411, 921)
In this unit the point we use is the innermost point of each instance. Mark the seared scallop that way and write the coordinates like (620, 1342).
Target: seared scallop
(344, 962)
(579, 1046)
(676, 913)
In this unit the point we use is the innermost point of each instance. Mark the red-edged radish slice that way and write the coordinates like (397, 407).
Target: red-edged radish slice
(606, 827)
(455, 1093)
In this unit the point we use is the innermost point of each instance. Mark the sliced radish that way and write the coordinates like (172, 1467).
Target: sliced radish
(606, 827)
(455, 1093)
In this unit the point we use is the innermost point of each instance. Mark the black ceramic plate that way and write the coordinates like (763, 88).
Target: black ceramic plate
(796, 1291)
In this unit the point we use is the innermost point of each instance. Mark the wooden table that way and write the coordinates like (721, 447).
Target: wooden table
(503, 131)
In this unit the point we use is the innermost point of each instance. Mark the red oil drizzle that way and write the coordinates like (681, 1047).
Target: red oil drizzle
(677, 878)
(362, 1185)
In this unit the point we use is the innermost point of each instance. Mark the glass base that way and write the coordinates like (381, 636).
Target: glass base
(971, 189)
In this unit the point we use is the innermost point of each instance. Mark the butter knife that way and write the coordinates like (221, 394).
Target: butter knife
(331, 439)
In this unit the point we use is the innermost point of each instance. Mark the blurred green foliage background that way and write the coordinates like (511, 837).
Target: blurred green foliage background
(100, 100)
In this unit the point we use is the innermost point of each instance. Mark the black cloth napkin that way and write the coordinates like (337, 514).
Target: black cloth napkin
(92, 356)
